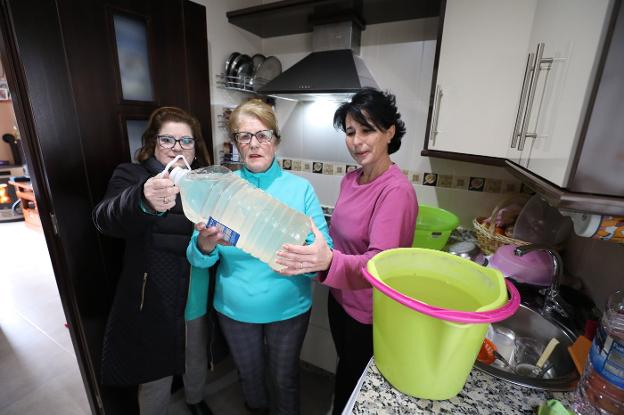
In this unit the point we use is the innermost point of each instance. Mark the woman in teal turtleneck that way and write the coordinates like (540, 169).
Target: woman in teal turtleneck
(255, 304)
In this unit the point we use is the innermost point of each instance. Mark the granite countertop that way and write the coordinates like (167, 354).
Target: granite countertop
(482, 394)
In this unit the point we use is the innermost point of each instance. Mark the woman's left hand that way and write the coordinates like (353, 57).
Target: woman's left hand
(308, 258)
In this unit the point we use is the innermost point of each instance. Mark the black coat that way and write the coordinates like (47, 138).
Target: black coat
(145, 332)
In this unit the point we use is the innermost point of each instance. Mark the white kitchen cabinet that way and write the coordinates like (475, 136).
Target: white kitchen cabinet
(480, 73)
(568, 36)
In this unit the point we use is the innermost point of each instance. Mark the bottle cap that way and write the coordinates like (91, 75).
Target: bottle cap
(177, 173)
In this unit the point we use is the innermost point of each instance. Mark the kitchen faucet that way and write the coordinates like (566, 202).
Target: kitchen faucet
(553, 300)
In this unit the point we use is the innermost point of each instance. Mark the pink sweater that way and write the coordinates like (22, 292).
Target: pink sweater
(367, 219)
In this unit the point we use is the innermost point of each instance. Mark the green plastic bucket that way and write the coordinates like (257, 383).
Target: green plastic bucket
(433, 227)
(420, 355)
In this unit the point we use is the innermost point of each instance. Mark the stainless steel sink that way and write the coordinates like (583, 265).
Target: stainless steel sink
(561, 374)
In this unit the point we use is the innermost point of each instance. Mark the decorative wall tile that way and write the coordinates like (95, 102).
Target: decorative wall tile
(493, 185)
(317, 167)
(350, 168)
(287, 164)
(306, 166)
(430, 179)
(445, 180)
(510, 187)
(476, 184)
(439, 179)
(460, 182)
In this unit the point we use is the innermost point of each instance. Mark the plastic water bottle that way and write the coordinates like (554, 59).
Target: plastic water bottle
(601, 388)
(248, 217)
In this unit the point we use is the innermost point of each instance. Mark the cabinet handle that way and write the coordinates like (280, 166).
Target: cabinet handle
(523, 96)
(529, 105)
(434, 117)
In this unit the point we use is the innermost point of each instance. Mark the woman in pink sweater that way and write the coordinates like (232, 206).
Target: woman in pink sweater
(376, 210)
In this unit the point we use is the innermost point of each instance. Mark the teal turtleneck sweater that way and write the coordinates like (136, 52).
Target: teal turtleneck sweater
(246, 288)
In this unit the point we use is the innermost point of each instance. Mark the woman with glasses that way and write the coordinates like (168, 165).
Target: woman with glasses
(376, 210)
(147, 340)
(256, 306)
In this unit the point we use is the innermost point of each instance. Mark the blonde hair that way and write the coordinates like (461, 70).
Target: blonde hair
(256, 108)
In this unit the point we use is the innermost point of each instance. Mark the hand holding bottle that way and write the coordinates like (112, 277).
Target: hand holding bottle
(208, 238)
(160, 192)
(298, 259)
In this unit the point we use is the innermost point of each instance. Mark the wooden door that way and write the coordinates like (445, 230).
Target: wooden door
(61, 59)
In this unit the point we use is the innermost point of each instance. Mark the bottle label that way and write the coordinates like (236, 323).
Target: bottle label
(611, 229)
(229, 235)
(607, 357)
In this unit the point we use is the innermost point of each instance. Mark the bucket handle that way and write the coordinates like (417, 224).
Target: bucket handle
(472, 317)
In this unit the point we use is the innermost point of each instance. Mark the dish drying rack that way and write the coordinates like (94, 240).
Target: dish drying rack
(240, 83)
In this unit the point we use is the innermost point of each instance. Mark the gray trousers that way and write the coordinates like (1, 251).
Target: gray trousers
(154, 396)
(282, 341)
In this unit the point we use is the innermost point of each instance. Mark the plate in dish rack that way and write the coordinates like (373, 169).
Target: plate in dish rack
(267, 71)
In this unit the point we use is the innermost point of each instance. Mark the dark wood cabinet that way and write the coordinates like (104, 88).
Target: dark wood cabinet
(289, 17)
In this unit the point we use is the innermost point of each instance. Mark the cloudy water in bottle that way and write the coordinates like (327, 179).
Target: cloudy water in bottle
(249, 218)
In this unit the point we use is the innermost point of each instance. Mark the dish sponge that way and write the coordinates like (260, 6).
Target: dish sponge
(553, 407)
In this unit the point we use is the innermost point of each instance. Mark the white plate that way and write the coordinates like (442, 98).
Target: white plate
(267, 71)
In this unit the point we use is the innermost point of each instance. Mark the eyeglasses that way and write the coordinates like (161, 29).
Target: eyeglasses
(263, 136)
(169, 141)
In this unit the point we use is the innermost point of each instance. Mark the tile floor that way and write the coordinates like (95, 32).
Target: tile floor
(38, 369)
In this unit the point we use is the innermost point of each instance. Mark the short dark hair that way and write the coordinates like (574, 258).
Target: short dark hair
(164, 115)
(373, 106)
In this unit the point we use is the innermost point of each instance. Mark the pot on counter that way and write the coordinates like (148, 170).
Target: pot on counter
(468, 250)
(535, 268)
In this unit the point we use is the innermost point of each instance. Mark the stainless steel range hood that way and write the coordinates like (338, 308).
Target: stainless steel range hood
(332, 71)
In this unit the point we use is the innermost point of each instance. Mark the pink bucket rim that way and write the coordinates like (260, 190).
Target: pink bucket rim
(456, 316)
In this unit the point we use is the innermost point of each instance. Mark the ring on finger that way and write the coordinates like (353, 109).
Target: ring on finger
(165, 200)
(301, 265)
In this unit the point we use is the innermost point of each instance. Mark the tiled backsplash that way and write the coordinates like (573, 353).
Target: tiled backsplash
(436, 179)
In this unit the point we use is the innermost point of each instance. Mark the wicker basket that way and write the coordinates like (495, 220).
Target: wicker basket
(488, 240)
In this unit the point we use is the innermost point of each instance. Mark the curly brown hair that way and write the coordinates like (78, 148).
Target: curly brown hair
(164, 115)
